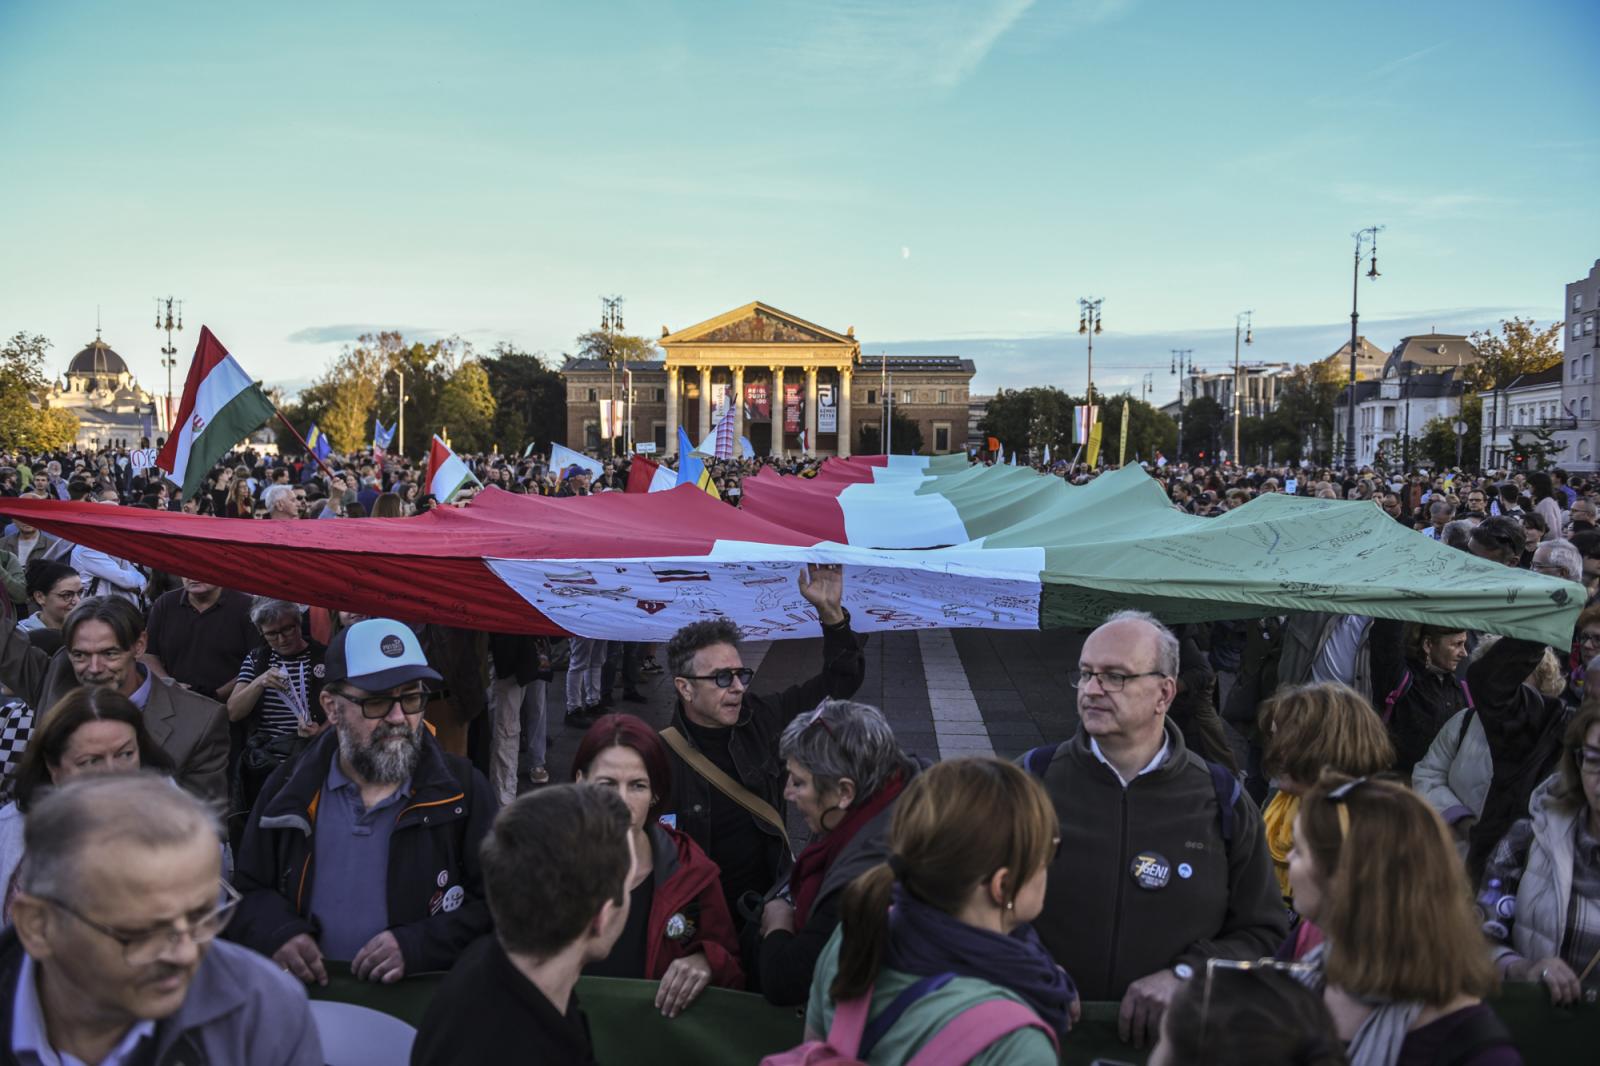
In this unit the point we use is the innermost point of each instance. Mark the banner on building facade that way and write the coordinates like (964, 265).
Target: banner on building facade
(791, 408)
(827, 412)
(719, 399)
(757, 400)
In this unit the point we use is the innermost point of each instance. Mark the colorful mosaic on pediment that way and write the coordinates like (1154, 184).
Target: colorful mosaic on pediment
(761, 328)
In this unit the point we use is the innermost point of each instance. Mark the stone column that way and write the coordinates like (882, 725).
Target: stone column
(672, 413)
(775, 398)
(705, 406)
(811, 409)
(738, 408)
(846, 376)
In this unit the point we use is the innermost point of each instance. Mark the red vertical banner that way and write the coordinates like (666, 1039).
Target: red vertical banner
(791, 408)
(757, 402)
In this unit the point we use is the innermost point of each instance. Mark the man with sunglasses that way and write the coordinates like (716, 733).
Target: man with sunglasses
(113, 954)
(724, 735)
(364, 848)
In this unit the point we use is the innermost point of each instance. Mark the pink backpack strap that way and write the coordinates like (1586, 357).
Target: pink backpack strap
(1392, 698)
(961, 1038)
(849, 1022)
(1467, 692)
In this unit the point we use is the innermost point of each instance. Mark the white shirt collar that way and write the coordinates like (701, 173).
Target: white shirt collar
(1151, 767)
(30, 1039)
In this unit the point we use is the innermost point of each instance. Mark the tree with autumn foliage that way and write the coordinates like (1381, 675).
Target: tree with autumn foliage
(1521, 346)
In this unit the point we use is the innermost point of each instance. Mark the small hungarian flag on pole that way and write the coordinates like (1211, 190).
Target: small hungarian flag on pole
(447, 474)
(221, 406)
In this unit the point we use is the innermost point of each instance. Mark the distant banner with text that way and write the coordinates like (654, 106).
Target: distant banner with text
(791, 408)
(827, 411)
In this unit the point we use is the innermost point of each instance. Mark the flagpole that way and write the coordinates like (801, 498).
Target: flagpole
(309, 450)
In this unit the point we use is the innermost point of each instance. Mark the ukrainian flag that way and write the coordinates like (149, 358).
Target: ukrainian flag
(691, 468)
(321, 447)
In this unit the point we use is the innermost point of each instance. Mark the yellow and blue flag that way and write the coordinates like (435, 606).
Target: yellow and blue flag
(321, 447)
(691, 468)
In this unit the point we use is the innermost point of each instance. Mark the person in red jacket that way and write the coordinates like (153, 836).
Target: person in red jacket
(679, 929)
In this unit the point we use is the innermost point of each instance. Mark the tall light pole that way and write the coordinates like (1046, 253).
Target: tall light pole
(400, 413)
(1370, 234)
(1089, 325)
(611, 325)
(1182, 366)
(1241, 321)
(169, 354)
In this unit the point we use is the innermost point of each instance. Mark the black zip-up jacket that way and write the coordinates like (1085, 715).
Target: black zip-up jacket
(754, 740)
(1430, 700)
(440, 829)
(1214, 900)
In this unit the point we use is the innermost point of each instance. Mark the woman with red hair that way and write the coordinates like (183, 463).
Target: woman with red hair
(679, 931)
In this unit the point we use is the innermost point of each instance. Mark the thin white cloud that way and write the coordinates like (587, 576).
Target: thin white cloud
(935, 44)
(1375, 84)
(1417, 205)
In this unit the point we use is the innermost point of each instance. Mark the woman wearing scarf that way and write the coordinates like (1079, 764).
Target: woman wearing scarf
(1309, 729)
(845, 772)
(943, 925)
(1403, 970)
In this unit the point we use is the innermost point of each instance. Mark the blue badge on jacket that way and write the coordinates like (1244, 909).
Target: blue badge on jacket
(1151, 870)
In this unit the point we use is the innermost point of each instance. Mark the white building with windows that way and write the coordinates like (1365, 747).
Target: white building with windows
(1580, 397)
(1421, 380)
(1529, 402)
(1258, 387)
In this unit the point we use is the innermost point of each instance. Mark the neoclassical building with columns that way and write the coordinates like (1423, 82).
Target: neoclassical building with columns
(795, 381)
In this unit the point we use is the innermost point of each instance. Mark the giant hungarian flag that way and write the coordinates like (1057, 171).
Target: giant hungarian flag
(221, 406)
(447, 474)
(925, 543)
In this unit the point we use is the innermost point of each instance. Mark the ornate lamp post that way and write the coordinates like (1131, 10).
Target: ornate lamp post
(1182, 366)
(1362, 237)
(1089, 325)
(1240, 321)
(611, 325)
(169, 354)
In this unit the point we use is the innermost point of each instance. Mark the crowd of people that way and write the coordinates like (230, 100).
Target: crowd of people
(1308, 839)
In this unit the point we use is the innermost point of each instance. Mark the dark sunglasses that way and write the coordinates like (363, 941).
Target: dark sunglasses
(724, 677)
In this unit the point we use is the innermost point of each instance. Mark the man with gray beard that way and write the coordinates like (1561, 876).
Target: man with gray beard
(364, 848)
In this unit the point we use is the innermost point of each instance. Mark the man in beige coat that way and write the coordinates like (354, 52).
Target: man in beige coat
(102, 640)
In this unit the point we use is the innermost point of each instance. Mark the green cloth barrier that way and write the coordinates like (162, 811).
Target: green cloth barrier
(737, 1028)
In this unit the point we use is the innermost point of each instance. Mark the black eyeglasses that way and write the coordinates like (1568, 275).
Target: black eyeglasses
(143, 947)
(378, 706)
(1110, 680)
(724, 677)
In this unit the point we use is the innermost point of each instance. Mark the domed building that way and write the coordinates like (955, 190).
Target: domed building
(113, 410)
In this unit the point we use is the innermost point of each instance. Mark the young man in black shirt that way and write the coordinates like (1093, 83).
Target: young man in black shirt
(556, 868)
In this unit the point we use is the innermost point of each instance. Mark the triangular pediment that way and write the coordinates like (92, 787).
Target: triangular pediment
(756, 323)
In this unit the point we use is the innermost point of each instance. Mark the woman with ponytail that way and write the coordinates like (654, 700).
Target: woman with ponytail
(942, 926)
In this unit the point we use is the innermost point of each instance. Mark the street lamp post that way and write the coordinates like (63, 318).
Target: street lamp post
(1089, 325)
(611, 325)
(1240, 321)
(1362, 237)
(169, 354)
(1182, 366)
(400, 413)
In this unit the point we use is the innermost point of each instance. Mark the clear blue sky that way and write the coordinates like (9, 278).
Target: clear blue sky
(945, 177)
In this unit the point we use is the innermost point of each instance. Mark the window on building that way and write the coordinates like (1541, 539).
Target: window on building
(660, 436)
(907, 396)
(1388, 418)
(591, 435)
(1583, 407)
(1577, 301)
(1584, 449)
(1588, 362)
(944, 395)
(594, 395)
(661, 396)
(872, 397)
(941, 437)
(1588, 325)
(1577, 329)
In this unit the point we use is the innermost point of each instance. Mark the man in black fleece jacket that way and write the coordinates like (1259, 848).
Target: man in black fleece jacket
(1153, 876)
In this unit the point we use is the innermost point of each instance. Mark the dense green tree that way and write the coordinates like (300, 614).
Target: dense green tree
(623, 347)
(467, 407)
(1203, 420)
(531, 398)
(22, 425)
(905, 439)
(1435, 443)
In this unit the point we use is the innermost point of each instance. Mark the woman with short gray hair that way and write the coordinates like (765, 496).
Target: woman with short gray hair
(845, 772)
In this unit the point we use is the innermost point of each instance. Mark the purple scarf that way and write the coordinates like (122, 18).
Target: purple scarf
(926, 941)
